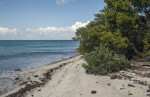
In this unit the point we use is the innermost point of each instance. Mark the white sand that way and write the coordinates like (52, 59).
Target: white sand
(72, 81)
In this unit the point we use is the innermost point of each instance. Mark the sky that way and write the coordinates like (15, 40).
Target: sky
(45, 19)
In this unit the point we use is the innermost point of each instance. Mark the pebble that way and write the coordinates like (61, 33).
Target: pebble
(130, 94)
(113, 76)
(108, 84)
(93, 92)
(131, 85)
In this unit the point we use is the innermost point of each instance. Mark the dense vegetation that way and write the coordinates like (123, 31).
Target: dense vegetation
(101, 61)
(122, 28)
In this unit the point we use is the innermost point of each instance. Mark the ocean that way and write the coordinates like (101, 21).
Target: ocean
(24, 54)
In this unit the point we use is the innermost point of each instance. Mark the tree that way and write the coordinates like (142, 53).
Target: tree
(124, 16)
(123, 26)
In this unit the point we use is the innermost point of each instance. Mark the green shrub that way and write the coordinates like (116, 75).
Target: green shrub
(102, 61)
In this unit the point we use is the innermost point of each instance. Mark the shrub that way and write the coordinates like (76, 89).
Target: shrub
(102, 61)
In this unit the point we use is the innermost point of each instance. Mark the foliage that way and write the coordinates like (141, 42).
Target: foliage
(120, 26)
(102, 61)
(123, 26)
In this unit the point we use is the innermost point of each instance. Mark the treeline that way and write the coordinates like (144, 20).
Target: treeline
(122, 29)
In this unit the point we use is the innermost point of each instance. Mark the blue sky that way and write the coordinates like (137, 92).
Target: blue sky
(45, 19)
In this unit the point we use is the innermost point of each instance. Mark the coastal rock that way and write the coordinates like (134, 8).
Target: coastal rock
(148, 90)
(17, 70)
(24, 83)
(108, 84)
(93, 92)
(131, 85)
(130, 94)
(141, 82)
(36, 76)
(17, 78)
(113, 76)
(148, 95)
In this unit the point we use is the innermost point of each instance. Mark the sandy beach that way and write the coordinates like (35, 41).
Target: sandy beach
(68, 78)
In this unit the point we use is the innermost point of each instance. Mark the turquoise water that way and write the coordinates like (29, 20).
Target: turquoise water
(31, 53)
(25, 54)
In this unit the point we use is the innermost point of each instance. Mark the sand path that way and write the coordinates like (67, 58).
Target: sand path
(72, 81)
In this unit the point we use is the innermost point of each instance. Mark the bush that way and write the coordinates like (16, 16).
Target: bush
(102, 61)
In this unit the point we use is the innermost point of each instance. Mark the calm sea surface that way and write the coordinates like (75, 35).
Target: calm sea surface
(30, 53)
(24, 54)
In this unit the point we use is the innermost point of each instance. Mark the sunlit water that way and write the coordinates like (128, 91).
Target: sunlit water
(26, 54)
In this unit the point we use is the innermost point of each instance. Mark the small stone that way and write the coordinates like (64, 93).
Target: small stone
(131, 85)
(148, 90)
(17, 78)
(17, 70)
(130, 94)
(24, 83)
(148, 95)
(36, 76)
(96, 82)
(113, 76)
(108, 84)
(93, 92)
(39, 90)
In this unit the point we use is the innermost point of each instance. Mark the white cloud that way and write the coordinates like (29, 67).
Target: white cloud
(48, 33)
(57, 33)
(4, 31)
(62, 2)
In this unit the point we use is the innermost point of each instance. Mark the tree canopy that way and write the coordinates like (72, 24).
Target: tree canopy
(123, 26)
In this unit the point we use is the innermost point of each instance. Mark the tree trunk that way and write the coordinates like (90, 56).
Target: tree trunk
(135, 50)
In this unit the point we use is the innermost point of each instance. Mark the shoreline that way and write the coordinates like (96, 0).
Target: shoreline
(67, 78)
(15, 73)
(22, 82)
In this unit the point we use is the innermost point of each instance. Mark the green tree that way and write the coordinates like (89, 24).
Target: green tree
(123, 26)
(125, 18)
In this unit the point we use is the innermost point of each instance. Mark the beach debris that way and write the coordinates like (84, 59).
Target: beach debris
(96, 82)
(108, 84)
(148, 90)
(36, 76)
(130, 85)
(148, 95)
(130, 94)
(47, 76)
(113, 76)
(17, 70)
(39, 90)
(24, 83)
(17, 78)
(93, 92)
(141, 82)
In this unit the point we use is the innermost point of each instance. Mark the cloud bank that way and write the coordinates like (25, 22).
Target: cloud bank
(4, 31)
(48, 33)
(62, 2)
